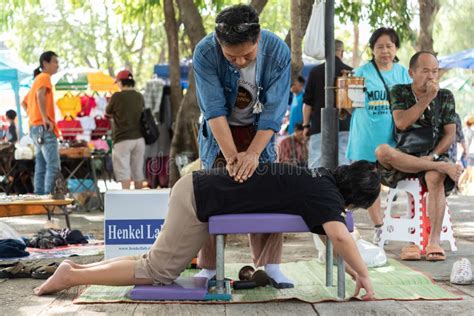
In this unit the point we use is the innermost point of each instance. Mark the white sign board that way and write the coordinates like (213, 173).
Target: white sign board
(133, 220)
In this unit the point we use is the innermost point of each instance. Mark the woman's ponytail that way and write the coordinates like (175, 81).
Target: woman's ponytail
(36, 72)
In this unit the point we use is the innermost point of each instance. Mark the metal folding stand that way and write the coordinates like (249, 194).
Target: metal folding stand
(50, 210)
(223, 290)
(90, 174)
(341, 271)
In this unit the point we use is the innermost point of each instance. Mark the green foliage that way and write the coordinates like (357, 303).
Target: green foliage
(85, 33)
(378, 13)
(276, 17)
(453, 29)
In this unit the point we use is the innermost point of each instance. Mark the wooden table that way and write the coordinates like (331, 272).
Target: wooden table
(33, 207)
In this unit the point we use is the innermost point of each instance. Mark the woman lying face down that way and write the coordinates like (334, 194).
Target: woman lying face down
(320, 196)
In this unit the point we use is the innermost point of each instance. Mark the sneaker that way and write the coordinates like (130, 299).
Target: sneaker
(377, 234)
(461, 273)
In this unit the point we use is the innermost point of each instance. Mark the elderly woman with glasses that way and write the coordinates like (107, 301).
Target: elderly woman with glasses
(242, 84)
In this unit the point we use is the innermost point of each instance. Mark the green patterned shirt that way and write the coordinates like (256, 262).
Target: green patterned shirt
(402, 98)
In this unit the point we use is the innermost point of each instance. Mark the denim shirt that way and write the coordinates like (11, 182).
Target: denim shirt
(217, 85)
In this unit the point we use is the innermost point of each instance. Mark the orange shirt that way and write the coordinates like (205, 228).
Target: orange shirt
(43, 80)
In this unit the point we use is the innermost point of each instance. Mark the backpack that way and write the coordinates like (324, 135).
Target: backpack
(60, 187)
(149, 128)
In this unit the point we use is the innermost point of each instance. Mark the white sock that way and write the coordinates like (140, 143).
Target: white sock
(274, 272)
(206, 273)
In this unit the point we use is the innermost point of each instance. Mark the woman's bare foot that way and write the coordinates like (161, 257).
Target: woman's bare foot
(57, 282)
(452, 170)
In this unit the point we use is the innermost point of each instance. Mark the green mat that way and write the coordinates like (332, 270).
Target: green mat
(393, 281)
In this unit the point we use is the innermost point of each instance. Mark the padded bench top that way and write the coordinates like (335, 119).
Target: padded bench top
(256, 223)
(263, 223)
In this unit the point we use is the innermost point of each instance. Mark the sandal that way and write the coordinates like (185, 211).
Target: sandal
(411, 252)
(44, 272)
(17, 270)
(435, 253)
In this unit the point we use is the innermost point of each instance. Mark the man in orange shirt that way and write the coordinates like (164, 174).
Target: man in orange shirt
(43, 130)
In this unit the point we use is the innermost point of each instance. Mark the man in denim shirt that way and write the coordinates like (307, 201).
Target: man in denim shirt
(242, 78)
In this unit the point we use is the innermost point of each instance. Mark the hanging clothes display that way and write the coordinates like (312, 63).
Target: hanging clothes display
(69, 104)
(153, 94)
(157, 154)
(70, 128)
(87, 104)
(88, 125)
(102, 126)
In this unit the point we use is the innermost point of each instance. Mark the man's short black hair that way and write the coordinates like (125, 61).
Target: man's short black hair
(359, 183)
(416, 56)
(10, 114)
(127, 82)
(237, 24)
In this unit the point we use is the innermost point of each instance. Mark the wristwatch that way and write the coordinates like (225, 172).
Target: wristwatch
(306, 126)
(435, 156)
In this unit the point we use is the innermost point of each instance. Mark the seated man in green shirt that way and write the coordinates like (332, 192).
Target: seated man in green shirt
(423, 104)
(320, 196)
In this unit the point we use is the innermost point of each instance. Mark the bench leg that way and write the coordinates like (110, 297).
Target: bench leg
(66, 216)
(220, 275)
(329, 262)
(341, 278)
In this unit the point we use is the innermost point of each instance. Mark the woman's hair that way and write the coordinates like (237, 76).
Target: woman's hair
(237, 24)
(359, 183)
(45, 57)
(128, 82)
(384, 31)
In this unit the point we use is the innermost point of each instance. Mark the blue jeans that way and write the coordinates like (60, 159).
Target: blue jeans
(47, 163)
(314, 156)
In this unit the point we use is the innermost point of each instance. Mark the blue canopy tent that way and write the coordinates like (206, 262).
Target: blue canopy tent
(463, 59)
(11, 78)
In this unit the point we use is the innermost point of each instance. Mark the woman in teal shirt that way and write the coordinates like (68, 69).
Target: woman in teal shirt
(372, 125)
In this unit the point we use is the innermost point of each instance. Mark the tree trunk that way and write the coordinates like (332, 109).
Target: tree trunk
(306, 6)
(296, 52)
(173, 56)
(258, 5)
(355, 47)
(192, 21)
(428, 11)
(184, 137)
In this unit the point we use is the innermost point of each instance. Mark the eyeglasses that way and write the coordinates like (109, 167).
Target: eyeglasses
(237, 28)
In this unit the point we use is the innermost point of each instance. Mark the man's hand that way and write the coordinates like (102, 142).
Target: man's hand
(306, 133)
(366, 284)
(245, 165)
(432, 88)
(230, 164)
(48, 125)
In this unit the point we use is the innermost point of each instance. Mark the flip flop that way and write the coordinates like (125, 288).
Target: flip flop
(44, 272)
(435, 253)
(411, 252)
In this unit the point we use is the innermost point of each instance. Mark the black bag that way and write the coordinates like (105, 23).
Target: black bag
(416, 140)
(420, 140)
(149, 128)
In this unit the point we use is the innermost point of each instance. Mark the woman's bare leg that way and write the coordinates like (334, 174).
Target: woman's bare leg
(99, 263)
(119, 273)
